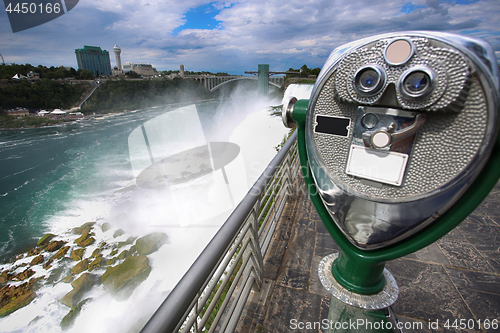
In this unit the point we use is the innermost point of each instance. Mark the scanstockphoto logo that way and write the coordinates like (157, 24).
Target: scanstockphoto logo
(28, 14)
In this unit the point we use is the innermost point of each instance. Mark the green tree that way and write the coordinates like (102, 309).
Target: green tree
(85, 74)
(133, 75)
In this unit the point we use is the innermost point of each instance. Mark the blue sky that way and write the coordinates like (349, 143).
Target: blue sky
(202, 17)
(235, 36)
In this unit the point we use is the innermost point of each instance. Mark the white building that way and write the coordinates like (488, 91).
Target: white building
(141, 69)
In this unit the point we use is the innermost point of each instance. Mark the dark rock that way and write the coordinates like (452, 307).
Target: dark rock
(68, 279)
(118, 233)
(16, 302)
(48, 263)
(45, 239)
(61, 253)
(35, 251)
(85, 240)
(133, 250)
(82, 238)
(83, 229)
(98, 262)
(23, 275)
(80, 267)
(105, 226)
(13, 298)
(4, 276)
(150, 243)
(37, 260)
(55, 275)
(114, 252)
(124, 254)
(86, 281)
(69, 319)
(54, 246)
(121, 280)
(111, 261)
(80, 286)
(129, 241)
(77, 255)
(96, 254)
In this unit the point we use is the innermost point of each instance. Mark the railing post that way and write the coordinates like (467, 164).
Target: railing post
(257, 250)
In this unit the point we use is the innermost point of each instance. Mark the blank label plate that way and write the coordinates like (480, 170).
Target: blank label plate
(381, 166)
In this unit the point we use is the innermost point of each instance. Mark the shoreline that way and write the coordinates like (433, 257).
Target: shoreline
(90, 117)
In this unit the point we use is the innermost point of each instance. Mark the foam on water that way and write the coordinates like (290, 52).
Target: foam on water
(103, 190)
(299, 91)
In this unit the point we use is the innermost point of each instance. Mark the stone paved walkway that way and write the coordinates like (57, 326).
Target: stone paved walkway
(458, 277)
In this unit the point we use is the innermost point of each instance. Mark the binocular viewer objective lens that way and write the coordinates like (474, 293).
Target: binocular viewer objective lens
(416, 82)
(369, 80)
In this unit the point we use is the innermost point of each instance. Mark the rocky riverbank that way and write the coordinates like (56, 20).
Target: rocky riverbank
(120, 263)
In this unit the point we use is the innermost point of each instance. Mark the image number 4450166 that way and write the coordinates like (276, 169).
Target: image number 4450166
(26, 14)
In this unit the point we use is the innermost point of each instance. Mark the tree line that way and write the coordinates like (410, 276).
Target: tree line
(8, 71)
(119, 95)
(42, 94)
(304, 71)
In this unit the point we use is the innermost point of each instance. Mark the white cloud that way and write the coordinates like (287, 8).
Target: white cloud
(283, 34)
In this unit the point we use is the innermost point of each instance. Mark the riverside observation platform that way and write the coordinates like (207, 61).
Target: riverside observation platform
(457, 277)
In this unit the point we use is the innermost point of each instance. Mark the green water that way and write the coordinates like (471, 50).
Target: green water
(46, 172)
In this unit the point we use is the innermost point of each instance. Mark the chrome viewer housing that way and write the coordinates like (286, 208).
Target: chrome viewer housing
(397, 127)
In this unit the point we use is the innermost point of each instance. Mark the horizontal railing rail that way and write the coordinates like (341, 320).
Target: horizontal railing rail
(212, 294)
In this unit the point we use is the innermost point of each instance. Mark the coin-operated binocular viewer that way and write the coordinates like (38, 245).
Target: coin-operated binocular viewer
(398, 144)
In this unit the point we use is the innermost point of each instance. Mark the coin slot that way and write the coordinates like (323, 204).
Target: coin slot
(333, 125)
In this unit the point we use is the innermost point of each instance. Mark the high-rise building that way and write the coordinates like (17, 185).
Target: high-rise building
(117, 52)
(94, 59)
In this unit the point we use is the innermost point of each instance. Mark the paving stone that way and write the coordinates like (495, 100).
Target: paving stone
(325, 307)
(456, 277)
(483, 237)
(325, 245)
(426, 292)
(411, 325)
(484, 220)
(475, 280)
(455, 234)
(431, 253)
(321, 229)
(483, 306)
(489, 207)
(463, 254)
(288, 306)
(293, 278)
(276, 250)
(300, 250)
(304, 224)
(315, 285)
(315, 216)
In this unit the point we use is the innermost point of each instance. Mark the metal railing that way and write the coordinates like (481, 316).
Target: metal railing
(212, 294)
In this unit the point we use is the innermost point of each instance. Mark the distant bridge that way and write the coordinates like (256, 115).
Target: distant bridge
(213, 83)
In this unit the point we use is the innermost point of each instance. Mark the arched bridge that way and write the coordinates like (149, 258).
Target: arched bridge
(213, 83)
